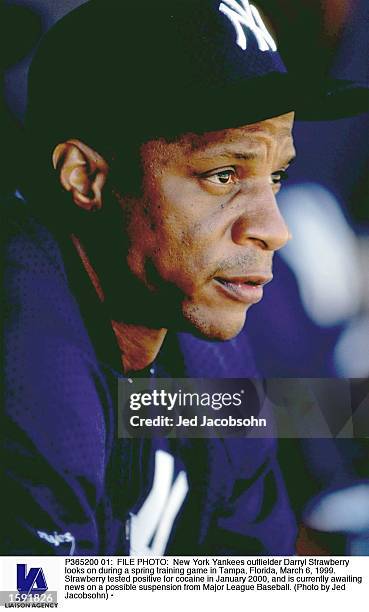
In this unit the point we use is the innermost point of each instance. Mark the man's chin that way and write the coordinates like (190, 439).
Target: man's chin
(216, 328)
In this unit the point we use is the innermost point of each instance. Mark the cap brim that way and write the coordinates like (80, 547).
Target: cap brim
(333, 99)
(251, 101)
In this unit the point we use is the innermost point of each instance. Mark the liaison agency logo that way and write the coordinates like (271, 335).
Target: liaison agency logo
(30, 583)
(32, 589)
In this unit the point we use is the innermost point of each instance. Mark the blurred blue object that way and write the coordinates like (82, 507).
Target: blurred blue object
(323, 254)
(346, 511)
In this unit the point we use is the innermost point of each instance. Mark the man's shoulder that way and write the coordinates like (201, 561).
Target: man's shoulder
(55, 390)
(44, 330)
(38, 296)
(25, 238)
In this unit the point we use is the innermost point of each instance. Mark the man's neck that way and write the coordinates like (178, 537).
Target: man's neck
(139, 345)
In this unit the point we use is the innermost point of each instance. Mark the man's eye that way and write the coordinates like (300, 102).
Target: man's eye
(221, 177)
(279, 176)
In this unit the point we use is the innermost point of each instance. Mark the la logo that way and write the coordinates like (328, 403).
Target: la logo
(242, 13)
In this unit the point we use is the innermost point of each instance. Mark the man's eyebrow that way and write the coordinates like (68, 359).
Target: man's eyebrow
(247, 155)
(250, 156)
(290, 159)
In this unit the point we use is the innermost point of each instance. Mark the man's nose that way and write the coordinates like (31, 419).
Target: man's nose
(261, 221)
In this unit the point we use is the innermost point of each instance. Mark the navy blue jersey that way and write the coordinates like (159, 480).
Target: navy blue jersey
(71, 485)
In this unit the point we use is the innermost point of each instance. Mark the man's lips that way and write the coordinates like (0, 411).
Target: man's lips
(247, 289)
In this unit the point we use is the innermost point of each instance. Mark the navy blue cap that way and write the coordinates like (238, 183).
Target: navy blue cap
(159, 68)
(20, 28)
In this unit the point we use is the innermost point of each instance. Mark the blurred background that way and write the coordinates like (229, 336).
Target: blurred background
(314, 319)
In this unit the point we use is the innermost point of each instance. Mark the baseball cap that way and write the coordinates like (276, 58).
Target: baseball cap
(164, 67)
(20, 28)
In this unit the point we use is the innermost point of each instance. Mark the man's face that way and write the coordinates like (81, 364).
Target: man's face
(202, 236)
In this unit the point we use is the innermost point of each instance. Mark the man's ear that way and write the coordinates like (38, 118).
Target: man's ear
(82, 171)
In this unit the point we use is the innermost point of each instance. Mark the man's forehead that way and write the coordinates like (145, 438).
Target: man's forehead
(276, 128)
(241, 142)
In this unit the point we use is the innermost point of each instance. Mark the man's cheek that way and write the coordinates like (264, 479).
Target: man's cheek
(189, 259)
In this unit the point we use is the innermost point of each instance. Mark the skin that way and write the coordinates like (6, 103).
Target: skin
(207, 215)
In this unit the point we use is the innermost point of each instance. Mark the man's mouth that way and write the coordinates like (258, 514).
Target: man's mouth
(246, 289)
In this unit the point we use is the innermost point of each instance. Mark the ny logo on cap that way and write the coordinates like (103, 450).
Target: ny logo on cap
(247, 15)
